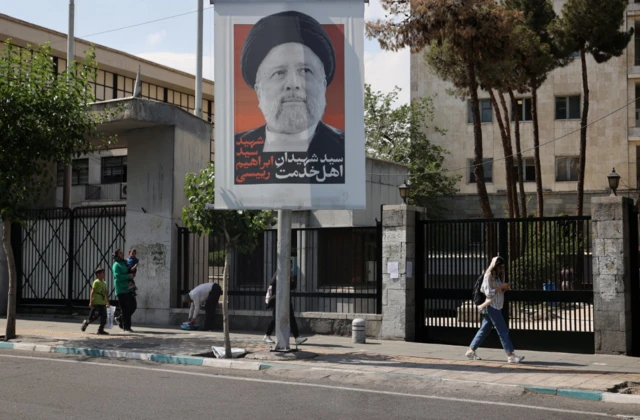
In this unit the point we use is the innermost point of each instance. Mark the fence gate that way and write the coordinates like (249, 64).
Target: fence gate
(58, 250)
(548, 265)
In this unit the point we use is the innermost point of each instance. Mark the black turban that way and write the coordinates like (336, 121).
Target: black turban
(282, 28)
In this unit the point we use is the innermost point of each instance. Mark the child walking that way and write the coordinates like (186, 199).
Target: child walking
(98, 302)
(132, 263)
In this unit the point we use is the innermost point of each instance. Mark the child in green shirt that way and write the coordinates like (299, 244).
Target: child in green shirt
(98, 302)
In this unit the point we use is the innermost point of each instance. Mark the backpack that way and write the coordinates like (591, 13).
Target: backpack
(478, 297)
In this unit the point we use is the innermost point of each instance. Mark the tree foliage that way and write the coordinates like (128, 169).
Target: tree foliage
(240, 228)
(591, 27)
(398, 134)
(459, 36)
(45, 118)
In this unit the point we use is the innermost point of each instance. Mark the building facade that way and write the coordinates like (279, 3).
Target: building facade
(101, 178)
(613, 138)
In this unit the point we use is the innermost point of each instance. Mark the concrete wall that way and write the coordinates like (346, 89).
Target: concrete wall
(466, 206)
(612, 86)
(308, 322)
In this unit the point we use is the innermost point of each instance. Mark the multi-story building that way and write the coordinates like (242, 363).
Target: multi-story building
(613, 138)
(101, 177)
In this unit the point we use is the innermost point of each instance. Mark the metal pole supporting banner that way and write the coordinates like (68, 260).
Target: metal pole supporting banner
(66, 189)
(198, 108)
(283, 288)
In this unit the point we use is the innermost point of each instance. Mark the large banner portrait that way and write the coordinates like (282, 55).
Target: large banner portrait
(289, 117)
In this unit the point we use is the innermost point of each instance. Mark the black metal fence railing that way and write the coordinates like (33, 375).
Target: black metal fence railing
(548, 266)
(57, 251)
(337, 269)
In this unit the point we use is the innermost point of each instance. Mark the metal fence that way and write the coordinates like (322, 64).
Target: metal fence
(337, 269)
(57, 251)
(548, 266)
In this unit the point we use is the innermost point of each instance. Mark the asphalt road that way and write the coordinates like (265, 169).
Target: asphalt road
(65, 387)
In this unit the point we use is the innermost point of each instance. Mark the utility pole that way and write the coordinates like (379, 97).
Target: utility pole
(66, 189)
(198, 109)
(283, 287)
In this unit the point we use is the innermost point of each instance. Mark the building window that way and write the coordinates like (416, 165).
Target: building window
(529, 170)
(114, 170)
(568, 107)
(567, 168)
(637, 105)
(79, 172)
(488, 171)
(636, 41)
(523, 109)
(486, 112)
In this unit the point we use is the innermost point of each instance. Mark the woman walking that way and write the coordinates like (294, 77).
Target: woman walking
(126, 297)
(493, 288)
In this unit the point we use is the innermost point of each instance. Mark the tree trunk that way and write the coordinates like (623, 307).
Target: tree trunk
(10, 331)
(523, 195)
(225, 302)
(508, 150)
(478, 168)
(536, 148)
(583, 131)
(506, 146)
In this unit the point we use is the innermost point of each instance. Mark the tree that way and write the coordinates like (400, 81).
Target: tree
(44, 118)
(240, 228)
(537, 55)
(398, 134)
(458, 36)
(592, 27)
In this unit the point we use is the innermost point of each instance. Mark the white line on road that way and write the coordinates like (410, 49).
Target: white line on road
(330, 387)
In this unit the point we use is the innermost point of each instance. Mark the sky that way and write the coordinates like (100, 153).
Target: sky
(172, 41)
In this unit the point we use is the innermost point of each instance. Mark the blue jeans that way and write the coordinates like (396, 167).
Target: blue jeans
(493, 318)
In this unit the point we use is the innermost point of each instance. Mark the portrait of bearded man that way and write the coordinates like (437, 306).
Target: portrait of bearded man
(288, 59)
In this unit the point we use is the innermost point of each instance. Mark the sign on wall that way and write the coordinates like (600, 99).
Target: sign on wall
(289, 125)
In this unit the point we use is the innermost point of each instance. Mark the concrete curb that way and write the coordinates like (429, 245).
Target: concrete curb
(153, 357)
(583, 394)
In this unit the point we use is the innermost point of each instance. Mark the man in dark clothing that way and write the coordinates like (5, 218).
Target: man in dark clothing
(292, 319)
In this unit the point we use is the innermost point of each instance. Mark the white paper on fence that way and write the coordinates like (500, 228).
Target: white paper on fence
(111, 310)
(235, 352)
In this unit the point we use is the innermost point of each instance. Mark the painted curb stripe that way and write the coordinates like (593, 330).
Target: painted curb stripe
(620, 398)
(5, 345)
(80, 351)
(541, 390)
(579, 394)
(163, 358)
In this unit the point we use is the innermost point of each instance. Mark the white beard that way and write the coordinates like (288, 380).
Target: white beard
(292, 118)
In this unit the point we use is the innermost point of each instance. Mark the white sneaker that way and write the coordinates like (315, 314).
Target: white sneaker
(514, 358)
(300, 340)
(472, 355)
(267, 339)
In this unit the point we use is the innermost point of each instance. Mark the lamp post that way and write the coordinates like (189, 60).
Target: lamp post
(404, 190)
(614, 181)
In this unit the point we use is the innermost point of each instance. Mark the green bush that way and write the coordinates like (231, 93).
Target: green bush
(216, 258)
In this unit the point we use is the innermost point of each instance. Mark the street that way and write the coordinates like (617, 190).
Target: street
(51, 386)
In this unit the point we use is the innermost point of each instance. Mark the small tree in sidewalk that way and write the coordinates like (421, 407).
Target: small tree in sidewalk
(241, 228)
(45, 118)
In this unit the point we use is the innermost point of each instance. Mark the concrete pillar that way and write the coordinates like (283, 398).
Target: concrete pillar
(611, 275)
(398, 294)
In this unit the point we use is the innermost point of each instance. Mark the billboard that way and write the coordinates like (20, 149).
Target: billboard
(289, 92)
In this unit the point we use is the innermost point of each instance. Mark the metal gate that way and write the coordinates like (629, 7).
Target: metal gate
(550, 304)
(57, 251)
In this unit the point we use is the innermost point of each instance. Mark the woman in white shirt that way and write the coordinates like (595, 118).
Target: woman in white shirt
(493, 288)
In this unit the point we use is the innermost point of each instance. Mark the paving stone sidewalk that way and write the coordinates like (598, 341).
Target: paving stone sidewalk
(394, 358)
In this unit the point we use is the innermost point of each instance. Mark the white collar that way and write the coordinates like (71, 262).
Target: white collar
(298, 142)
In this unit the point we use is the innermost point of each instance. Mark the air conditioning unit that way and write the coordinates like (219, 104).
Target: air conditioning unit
(123, 190)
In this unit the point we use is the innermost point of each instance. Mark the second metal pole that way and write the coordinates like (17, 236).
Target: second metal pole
(283, 287)
(66, 188)
(198, 108)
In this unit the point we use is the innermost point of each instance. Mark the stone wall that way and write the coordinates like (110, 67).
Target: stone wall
(612, 276)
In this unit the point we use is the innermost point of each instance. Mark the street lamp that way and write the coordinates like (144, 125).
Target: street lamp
(614, 181)
(404, 189)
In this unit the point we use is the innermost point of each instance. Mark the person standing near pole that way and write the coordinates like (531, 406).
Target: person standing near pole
(271, 304)
(493, 288)
(126, 298)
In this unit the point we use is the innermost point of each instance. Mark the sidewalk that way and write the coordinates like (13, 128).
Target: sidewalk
(541, 371)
